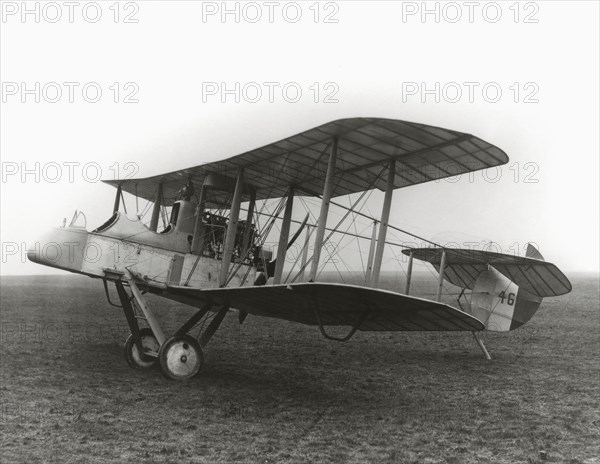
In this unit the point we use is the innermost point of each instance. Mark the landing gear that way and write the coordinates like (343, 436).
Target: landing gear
(180, 357)
(148, 358)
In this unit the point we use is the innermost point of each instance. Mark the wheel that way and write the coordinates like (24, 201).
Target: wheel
(132, 355)
(180, 357)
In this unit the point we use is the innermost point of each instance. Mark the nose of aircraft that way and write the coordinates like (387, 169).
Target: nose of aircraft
(62, 248)
(33, 255)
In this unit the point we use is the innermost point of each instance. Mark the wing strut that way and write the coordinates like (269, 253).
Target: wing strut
(283, 237)
(117, 199)
(248, 231)
(371, 253)
(234, 214)
(409, 272)
(327, 192)
(198, 239)
(442, 272)
(156, 209)
(304, 252)
(385, 217)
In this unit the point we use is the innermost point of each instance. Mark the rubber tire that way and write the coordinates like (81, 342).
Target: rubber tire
(131, 352)
(180, 357)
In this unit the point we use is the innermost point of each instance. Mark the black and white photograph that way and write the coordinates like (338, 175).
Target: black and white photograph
(300, 232)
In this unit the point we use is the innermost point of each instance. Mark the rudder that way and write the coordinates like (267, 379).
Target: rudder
(499, 303)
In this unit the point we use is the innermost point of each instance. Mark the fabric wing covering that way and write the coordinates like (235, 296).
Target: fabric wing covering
(336, 304)
(365, 146)
(463, 266)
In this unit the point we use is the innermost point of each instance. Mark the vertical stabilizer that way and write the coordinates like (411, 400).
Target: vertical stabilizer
(533, 252)
(499, 303)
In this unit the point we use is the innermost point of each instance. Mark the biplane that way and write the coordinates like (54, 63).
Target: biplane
(211, 250)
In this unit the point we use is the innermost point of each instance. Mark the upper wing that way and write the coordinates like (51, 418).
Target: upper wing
(333, 304)
(464, 266)
(365, 145)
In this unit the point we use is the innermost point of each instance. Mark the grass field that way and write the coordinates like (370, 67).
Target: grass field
(273, 391)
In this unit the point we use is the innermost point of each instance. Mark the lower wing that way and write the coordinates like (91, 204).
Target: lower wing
(327, 304)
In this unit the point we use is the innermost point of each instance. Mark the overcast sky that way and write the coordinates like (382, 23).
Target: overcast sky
(521, 76)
